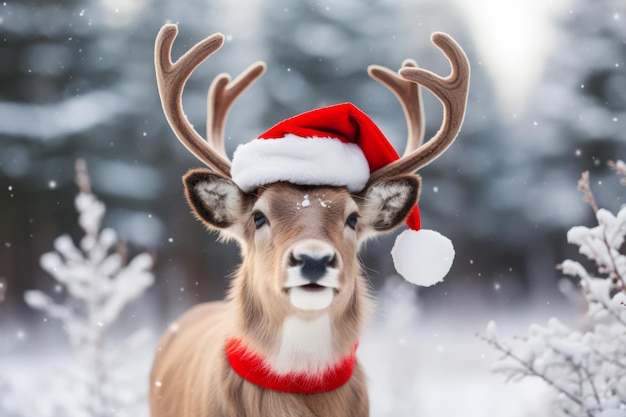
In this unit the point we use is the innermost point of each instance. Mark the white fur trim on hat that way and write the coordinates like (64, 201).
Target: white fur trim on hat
(305, 161)
(422, 257)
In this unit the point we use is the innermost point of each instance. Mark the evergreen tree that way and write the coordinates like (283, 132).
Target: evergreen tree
(575, 120)
(78, 81)
(56, 79)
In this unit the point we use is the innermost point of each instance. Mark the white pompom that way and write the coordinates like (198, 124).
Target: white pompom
(422, 257)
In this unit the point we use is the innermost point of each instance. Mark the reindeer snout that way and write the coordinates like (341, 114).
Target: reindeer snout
(313, 267)
(312, 264)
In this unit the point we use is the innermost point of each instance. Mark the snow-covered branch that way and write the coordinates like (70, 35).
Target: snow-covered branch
(3, 289)
(586, 368)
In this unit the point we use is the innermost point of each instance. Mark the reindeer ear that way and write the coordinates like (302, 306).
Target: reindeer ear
(216, 200)
(388, 203)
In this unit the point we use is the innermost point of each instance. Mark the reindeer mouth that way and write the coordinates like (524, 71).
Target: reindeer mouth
(310, 296)
(305, 293)
(295, 280)
(313, 287)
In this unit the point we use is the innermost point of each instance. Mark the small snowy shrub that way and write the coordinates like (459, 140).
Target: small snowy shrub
(586, 367)
(98, 283)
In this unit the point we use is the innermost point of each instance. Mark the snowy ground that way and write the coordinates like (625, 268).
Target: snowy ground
(419, 364)
(449, 376)
(434, 364)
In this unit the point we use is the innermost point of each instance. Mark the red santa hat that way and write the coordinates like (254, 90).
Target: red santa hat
(340, 146)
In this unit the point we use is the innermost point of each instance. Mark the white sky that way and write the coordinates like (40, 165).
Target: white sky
(514, 38)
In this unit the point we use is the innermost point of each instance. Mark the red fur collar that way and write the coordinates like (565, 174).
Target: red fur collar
(251, 366)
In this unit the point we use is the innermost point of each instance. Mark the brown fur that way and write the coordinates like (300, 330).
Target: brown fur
(191, 376)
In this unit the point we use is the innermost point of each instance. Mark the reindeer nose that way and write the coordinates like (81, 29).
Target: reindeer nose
(312, 268)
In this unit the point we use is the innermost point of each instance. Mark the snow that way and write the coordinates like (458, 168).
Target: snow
(422, 363)
(324, 203)
(584, 364)
(492, 329)
(612, 413)
(418, 363)
(99, 114)
(59, 120)
(427, 361)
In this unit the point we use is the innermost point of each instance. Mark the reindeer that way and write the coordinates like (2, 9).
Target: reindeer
(283, 341)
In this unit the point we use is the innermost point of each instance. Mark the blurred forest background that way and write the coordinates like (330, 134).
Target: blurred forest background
(547, 101)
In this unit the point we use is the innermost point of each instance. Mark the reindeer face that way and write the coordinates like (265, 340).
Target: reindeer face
(309, 237)
(301, 242)
(361, 156)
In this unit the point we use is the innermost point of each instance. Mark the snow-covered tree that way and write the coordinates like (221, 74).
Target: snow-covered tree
(586, 366)
(574, 121)
(98, 284)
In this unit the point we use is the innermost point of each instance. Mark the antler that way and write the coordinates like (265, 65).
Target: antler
(451, 91)
(222, 95)
(410, 97)
(171, 80)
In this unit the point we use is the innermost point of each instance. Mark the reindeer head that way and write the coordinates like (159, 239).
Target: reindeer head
(300, 239)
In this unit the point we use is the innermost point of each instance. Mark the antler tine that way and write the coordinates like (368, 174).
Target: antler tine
(410, 97)
(171, 79)
(222, 95)
(452, 92)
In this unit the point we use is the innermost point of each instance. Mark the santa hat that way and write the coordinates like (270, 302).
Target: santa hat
(340, 146)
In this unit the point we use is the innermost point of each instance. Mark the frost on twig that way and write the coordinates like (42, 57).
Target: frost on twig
(586, 368)
(620, 168)
(99, 283)
(3, 289)
(583, 185)
(5, 387)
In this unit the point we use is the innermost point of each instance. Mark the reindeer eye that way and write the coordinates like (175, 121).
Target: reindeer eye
(352, 220)
(259, 219)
